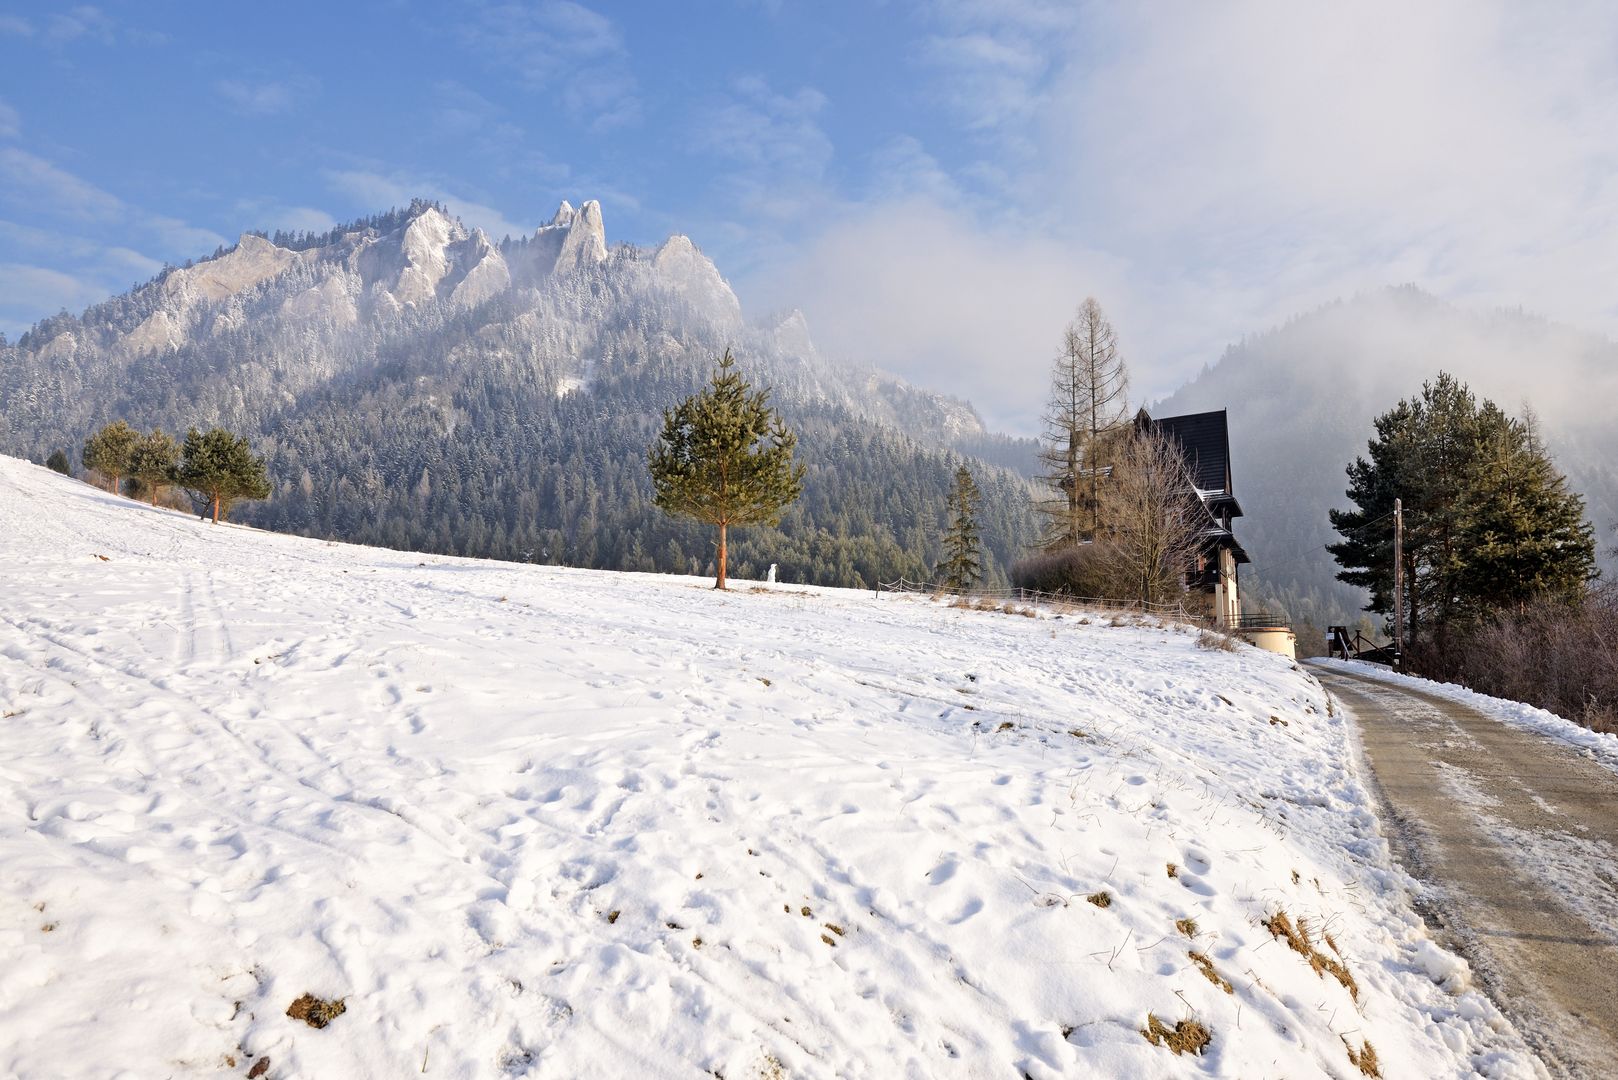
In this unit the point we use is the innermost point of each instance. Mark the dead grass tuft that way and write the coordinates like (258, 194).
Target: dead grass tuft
(1215, 641)
(1205, 966)
(1185, 1037)
(1365, 1060)
(316, 1012)
(1102, 899)
(1297, 939)
(1188, 927)
(1174, 870)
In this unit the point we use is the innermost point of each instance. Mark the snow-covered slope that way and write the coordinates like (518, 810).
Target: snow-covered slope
(542, 822)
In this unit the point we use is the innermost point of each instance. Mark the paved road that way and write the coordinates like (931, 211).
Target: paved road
(1516, 836)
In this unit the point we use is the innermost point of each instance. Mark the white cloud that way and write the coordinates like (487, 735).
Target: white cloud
(376, 192)
(776, 154)
(10, 120)
(266, 98)
(558, 46)
(27, 291)
(931, 293)
(302, 219)
(14, 24)
(180, 238)
(33, 182)
(1209, 170)
(82, 21)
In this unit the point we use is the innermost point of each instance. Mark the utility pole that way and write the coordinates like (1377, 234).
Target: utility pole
(1398, 583)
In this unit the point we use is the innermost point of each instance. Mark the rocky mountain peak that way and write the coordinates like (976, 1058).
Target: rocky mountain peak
(681, 266)
(586, 241)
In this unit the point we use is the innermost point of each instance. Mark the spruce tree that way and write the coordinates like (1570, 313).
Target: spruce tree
(218, 468)
(58, 462)
(962, 564)
(153, 460)
(725, 458)
(107, 451)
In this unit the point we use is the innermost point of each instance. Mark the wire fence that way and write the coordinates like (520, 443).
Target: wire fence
(1061, 602)
(1055, 600)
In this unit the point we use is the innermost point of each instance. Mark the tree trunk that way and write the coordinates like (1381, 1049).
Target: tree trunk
(720, 582)
(216, 509)
(154, 494)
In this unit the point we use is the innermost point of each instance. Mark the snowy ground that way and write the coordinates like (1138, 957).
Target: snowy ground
(542, 822)
(1599, 747)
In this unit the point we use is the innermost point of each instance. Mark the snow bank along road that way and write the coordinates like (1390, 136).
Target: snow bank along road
(1516, 836)
(537, 822)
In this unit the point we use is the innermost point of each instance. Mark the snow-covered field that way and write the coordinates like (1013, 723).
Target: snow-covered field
(1598, 746)
(541, 822)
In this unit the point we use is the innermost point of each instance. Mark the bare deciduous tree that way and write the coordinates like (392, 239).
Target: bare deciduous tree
(1088, 406)
(1151, 518)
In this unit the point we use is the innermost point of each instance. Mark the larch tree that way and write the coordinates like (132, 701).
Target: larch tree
(962, 564)
(219, 468)
(1088, 406)
(153, 461)
(724, 458)
(107, 452)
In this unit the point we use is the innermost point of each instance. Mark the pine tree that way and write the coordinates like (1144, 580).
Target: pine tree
(153, 460)
(1489, 521)
(962, 564)
(725, 458)
(219, 468)
(1528, 536)
(107, 451)
(1088, 406)
(58, 462)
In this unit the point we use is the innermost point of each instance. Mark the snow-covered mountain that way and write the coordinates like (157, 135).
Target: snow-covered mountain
(405, 353)
(534, 821)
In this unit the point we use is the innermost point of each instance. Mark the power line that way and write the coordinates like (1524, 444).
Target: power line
(1299, 556)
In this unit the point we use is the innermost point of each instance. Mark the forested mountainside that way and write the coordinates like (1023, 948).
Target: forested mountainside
(1302, 399)
(416, 385)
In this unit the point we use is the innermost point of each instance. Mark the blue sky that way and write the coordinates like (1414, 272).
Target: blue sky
(937, 183)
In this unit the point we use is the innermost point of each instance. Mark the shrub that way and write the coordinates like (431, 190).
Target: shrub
(1076, 571)
(1553, 654)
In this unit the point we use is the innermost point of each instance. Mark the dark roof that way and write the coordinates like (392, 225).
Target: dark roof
(1205, 438)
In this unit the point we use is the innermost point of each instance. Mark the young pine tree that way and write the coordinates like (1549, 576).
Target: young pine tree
(725, 458)
(153, 460)
(107, 452)
(962, 564)
(58, 462)
(219, 468)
